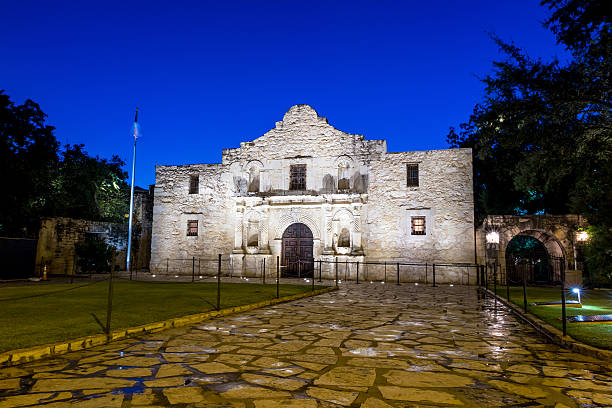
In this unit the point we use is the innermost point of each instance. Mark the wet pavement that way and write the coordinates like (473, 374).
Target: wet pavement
(368, 345)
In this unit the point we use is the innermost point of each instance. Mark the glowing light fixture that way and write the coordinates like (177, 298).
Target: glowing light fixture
(416, 283)
(582, 236)
(493, 237)
(577, 292)
(152, 276)
(451, 285)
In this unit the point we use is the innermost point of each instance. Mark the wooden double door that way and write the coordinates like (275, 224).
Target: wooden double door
(297, 246)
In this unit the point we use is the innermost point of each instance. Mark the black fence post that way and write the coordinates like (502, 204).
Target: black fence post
(398, 274)
(219, 284)
(524, 291)
(336, 271)
(299, 265)
(486, 276)
(345, 269)
(495, 279)
(109, 303)
(426, 273)
(507, 285)
(193, 269)
(433, 269)
(199, 267)
(277, 277)
(167, 262)
(313, 275)
(357, 272)
(477, 275)
(319, 271)
(563, 311)
(384, 280)
(264, 271)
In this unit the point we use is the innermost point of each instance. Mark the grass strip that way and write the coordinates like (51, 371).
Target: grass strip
(594, 302)
(67, 314)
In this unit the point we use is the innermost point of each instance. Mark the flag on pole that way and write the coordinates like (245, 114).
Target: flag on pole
(136, 130)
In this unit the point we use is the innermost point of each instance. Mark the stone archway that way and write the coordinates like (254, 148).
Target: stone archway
(297, 245)
(534, 256)
(557, 233)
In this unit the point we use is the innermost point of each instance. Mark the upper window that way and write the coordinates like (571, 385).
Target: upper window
(297, 177)
(418, 226)
(192, 228)
(412, 171)
(194, 184)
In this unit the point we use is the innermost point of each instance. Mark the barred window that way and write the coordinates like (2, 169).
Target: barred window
(418, 225)
(194, 184)
(297, 179)
(412, 172)
(192, 228)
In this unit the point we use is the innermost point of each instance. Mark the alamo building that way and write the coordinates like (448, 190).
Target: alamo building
(307, 191)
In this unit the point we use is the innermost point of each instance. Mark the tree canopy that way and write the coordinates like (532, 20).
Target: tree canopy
(42, 179)
(542, 136)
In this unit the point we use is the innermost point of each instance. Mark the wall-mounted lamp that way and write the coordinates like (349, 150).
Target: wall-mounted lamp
(493, 237)
(582, 236)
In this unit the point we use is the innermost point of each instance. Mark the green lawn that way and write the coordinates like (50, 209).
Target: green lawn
(594, 302)
(57, 312)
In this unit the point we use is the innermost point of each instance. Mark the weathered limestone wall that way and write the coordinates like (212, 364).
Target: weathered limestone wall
(212, 207)
(444, 197)
(57, 237)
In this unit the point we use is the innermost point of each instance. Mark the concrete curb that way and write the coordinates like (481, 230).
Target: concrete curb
(20, 356)
(552, 333)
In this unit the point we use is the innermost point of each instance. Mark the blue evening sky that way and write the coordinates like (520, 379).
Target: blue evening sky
(210, 74)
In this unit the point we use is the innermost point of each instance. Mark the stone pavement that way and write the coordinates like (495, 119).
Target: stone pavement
(368, 345)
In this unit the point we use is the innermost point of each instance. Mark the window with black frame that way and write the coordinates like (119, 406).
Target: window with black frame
(418, 226)
(412, 172)
(297, 180)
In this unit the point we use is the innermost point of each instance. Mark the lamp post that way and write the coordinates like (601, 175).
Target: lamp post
(492, 239)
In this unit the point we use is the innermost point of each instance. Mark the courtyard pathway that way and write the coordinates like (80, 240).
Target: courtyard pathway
(368, 345)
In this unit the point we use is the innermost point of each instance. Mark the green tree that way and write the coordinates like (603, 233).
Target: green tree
(91, 188)
(28, 164)
(542, 137)
(39, 180)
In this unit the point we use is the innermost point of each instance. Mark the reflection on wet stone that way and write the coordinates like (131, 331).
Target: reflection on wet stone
(372, 346)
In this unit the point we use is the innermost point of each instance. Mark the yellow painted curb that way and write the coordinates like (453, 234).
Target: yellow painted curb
(20, 356)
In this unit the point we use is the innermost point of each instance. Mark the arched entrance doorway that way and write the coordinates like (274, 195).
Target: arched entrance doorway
(297, 246)
(536, 260)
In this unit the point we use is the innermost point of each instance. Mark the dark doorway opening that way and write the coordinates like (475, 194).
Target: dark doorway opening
(527, 258)
(297, 256)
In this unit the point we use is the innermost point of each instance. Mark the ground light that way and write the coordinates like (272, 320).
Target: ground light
(577, 292)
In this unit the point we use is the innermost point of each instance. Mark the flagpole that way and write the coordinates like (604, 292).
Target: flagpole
(129, 245)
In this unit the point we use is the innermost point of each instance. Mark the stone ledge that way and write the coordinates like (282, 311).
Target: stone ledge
(552, 333)
(20, 356)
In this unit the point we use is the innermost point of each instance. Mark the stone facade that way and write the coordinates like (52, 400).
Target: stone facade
(356, 200)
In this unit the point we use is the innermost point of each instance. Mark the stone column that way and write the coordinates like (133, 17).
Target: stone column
(239, 235)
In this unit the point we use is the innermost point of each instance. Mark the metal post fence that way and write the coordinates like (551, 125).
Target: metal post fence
(313, 276)
(495, 279)
(193, 269)
(426, 273)
(263, 275)
(433, 271)
(219, 284)
(336, 271)
(507, 285)
(319, 272)
(357, 272)
(524, 291)
(563, 311)
(398, 278)
(345, 269)
(277, 277)
(109, 304)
